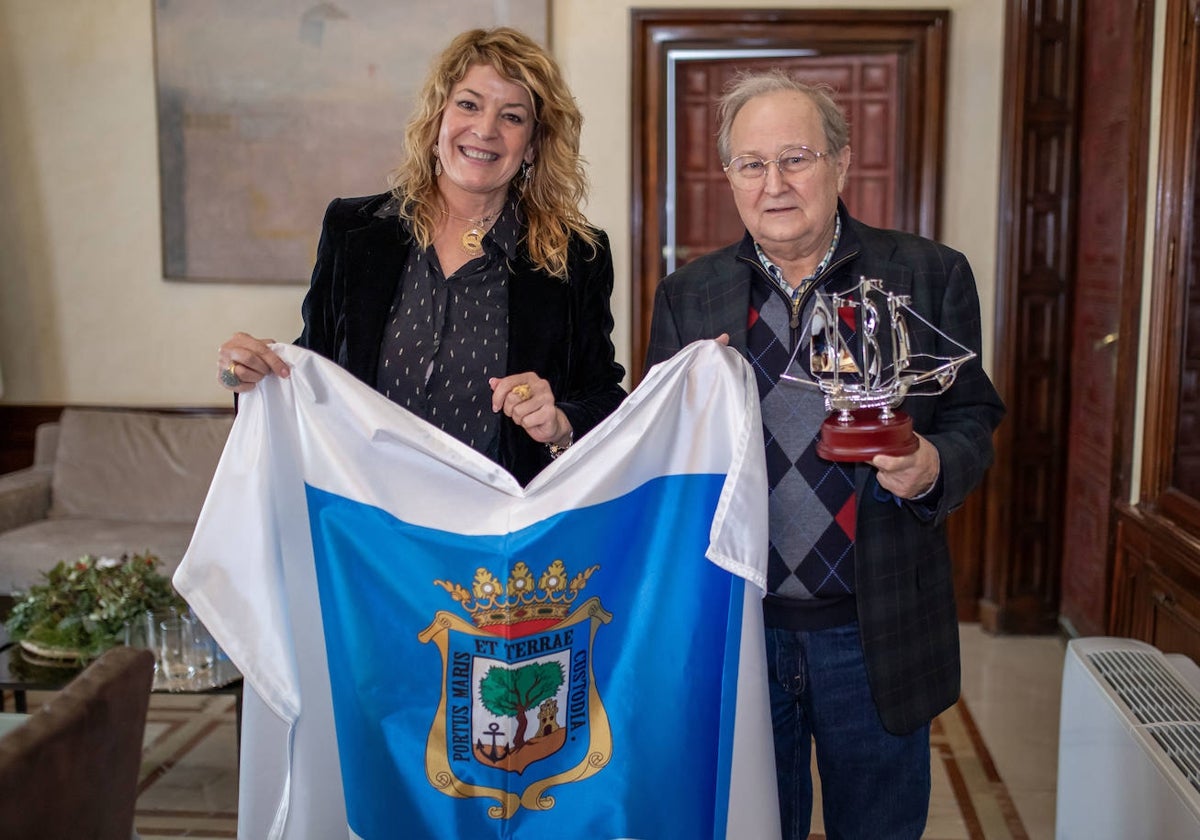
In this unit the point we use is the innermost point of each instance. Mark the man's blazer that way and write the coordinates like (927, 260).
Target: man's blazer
(904, 580)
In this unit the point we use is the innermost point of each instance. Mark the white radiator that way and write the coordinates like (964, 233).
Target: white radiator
(1129, 743)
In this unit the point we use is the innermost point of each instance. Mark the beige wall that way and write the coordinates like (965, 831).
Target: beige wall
(85, 316)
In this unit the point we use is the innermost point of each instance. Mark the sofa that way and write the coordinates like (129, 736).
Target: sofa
(108, 482)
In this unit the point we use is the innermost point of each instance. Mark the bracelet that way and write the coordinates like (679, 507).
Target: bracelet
(558, 449)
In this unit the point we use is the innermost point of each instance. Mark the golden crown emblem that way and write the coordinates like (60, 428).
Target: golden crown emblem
(498, 607)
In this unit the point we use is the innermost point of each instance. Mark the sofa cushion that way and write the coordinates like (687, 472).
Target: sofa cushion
(28, 551)
(135, 466)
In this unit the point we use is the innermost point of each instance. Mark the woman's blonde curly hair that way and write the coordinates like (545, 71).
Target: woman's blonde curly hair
(550, 199)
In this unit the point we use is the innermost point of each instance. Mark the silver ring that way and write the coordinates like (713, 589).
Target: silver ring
(230, 379)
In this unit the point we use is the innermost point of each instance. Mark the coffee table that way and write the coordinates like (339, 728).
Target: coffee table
(20, 676)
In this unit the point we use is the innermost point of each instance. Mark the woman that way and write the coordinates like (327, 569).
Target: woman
(475, 293)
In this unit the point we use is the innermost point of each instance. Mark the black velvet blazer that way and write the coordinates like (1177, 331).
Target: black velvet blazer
(560, 330)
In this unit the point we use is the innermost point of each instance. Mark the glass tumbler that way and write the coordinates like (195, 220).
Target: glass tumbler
(141, 631)
(176, 648)
(204, 646)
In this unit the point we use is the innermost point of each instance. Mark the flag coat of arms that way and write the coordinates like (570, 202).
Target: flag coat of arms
(433, 651)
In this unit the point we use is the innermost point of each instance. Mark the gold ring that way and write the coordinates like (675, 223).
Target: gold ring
(522, 391)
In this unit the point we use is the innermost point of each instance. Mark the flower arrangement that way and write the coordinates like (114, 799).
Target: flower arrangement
(83, 605)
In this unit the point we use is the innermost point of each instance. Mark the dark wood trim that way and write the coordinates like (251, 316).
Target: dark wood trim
(1172, 244)
(1180, 508)
(921, 35)
(1156, 582)
(18, 425)
(1025, 486)
(1131, 302)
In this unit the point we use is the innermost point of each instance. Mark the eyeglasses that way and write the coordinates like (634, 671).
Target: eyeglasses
(747, 171)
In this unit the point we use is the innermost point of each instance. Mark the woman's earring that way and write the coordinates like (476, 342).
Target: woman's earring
(526, 174)
(437, 163)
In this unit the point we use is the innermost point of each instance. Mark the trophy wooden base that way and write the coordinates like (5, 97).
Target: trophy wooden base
(866, 436)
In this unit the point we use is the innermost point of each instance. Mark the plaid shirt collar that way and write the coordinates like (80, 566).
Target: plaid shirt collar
(776, 273)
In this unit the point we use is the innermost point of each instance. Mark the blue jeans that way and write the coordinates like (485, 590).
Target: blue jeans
(873, 784)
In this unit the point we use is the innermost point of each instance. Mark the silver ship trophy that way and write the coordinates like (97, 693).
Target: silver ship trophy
(866, 378)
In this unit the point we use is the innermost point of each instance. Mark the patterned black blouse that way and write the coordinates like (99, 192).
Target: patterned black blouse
(446, 336)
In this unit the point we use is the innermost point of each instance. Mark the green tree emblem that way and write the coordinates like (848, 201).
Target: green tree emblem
(511, 692)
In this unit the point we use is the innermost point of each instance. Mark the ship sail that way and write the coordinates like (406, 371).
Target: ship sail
(877, 366)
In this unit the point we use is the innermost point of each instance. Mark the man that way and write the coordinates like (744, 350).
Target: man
(862, 634)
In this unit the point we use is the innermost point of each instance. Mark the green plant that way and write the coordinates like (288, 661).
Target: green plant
(84, 604)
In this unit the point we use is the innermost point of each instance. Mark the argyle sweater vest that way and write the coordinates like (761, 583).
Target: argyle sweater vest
(810, 572)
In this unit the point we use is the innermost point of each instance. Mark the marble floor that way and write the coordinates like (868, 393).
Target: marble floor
(1012, 685)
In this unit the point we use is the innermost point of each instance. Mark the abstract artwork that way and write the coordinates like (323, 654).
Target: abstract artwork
(268, 110)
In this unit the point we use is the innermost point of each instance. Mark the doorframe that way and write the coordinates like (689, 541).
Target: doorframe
(920, 36)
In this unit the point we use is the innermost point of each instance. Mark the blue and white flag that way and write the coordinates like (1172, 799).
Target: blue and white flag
(432, 651)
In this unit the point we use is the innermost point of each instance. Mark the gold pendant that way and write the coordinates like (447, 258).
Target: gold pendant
(472, 242)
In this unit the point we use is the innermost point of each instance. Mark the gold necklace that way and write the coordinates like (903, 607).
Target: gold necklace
(471, 241)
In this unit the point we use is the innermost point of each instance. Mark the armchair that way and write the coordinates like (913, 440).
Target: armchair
(71, 770)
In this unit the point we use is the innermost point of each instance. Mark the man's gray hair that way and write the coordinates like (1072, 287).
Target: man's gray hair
(748, 84)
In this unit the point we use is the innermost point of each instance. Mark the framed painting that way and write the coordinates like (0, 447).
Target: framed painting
(268, 110)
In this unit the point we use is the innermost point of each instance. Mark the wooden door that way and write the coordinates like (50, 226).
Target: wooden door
(700, 215)
(1076, 99)
(1105, 297)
